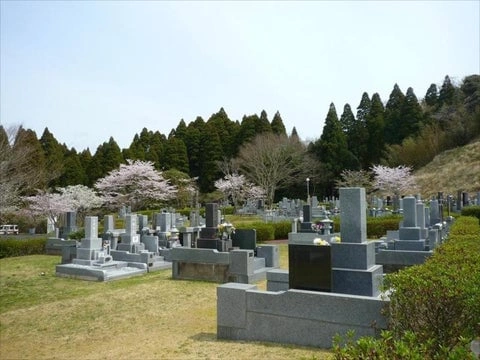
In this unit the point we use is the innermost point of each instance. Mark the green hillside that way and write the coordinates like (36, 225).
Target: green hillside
(452, 170)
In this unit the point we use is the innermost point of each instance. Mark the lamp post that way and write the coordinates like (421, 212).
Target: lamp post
(308, 191)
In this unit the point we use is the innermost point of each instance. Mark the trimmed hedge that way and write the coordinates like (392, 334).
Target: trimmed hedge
(438, 301)
(471, 211)
(19, 247)
(376, 226)
(281, 230)
(265, 231)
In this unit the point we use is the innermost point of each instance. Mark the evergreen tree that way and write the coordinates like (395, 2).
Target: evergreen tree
(156, 151)
(112, 156)
(332, 150)
(294, 133)
(193, 143)
(181, 130)
(358, 137)
(393, 116)
(176, 155)
(107, 158)
(411, 115)
(277, 125)
(347, 120)
(222, 124)
(210, 154)
(35, 162)
(135, 151)
(263, 125)
(85, 158)
(247, 129)
(54, 155)
(447, 92)
(375, 127)
(431, 97)
(74, 173)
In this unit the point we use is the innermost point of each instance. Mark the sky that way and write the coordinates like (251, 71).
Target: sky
(89, 70)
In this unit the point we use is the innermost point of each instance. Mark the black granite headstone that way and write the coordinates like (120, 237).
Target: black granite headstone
(310, 267)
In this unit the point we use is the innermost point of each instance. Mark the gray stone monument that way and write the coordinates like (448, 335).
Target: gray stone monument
(411, 236)
(353, 259)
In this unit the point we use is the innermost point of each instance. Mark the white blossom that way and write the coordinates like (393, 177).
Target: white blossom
(393, 180)
(136, 183)
(48, 204)
(238, 188)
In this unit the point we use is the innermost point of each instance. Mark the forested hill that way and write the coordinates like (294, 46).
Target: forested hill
(452, 170)
(401, 130)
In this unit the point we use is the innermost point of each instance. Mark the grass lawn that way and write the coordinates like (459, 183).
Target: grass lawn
(146, 317)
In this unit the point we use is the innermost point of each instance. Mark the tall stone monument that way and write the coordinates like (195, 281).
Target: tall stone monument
(353, 259)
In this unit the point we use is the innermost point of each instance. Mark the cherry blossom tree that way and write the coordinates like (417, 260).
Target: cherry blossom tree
(137, 184)
(393, 180)
(78, 198)
(81, 198)
(51, 205)
(350, 178)
(238, 188)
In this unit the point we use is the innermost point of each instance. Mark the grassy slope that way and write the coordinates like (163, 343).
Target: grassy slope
(452, 170)
(147, 317)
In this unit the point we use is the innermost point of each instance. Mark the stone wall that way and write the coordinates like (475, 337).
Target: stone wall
(298, 317)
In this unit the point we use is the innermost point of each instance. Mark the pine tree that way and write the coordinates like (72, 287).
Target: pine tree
(411, 115)
(332, 150)
(85, 158)
(107, 158)
(35, 162)
(358, 138)
(74, 173)
(177, 155)
(294, 133)
(247, 129)
(181, 130)
(447, 93)
(263, 125)
(222, 123)
(54, 157)
(431, 97)
(277, 125)
(210, 154)
(393, 116)
(193, 143)
(347, 120)
(112, 156)
(157, 151)
(375, 127)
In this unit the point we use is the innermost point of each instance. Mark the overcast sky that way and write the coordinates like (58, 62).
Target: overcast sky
(89, 70)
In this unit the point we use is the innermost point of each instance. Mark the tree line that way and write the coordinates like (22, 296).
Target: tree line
(400, 131)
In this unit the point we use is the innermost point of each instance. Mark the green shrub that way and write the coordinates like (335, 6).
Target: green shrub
(437, 301)
(265, 231)
(77, 235)
(378, 226)
(471, 211)
(388, 347)
(19, 247)
(281, 230)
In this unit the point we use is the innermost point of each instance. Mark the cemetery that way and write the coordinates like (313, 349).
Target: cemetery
(330, 289)
(330, 279)
(330, 282)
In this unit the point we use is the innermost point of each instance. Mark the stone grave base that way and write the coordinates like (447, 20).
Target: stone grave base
(54, 246)
(235, 266)
(393, 260)
(112, 270)
(299, 317)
